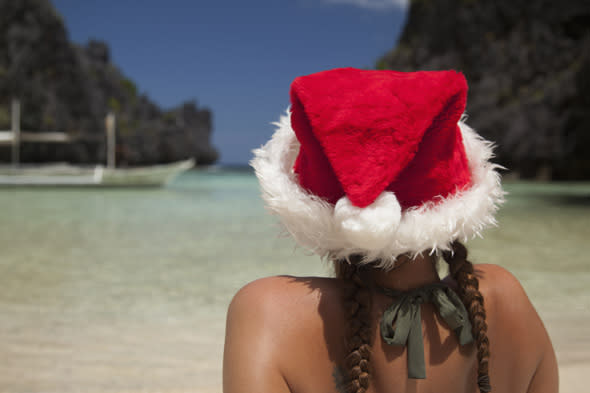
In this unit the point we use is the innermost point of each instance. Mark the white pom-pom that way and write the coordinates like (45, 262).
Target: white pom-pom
(371, 227)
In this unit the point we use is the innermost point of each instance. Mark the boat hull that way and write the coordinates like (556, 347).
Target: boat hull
(67, 175)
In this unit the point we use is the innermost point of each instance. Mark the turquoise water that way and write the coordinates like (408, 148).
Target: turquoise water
(126, 289)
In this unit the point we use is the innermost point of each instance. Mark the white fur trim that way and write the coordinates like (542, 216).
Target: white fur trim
(430, 227)
(370, 227)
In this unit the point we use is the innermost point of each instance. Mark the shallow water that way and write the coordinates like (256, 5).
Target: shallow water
(125, 290)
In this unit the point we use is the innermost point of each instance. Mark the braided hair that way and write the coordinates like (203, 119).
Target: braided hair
(357, 301)
(468, 290)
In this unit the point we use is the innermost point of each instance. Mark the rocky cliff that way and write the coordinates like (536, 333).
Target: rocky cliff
(63, 86)
(528, 67)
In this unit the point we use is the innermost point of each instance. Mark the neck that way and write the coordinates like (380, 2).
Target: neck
(408, 273)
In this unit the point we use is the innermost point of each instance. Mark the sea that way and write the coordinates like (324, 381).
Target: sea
(126, 290)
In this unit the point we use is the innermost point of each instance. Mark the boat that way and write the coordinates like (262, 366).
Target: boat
(99, 175)
(63, 174)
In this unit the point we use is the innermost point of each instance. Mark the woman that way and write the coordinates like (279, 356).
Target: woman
(375, 171)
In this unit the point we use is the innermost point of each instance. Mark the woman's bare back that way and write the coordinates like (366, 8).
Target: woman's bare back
(287, 334)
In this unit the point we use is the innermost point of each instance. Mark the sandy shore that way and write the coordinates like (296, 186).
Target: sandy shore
(572, 347)
(572, 377)
(174, 358)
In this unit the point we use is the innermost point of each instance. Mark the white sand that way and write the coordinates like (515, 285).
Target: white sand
(573, 377)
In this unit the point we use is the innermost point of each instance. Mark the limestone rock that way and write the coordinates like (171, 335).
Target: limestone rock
(65, 87)
(528, 68)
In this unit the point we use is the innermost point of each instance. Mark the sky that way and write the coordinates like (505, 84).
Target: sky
(234, 57)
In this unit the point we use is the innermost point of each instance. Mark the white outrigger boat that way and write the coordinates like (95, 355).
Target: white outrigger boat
(99, 175)
(70, 175)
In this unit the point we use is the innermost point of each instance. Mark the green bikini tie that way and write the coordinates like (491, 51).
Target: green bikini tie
(405, 314)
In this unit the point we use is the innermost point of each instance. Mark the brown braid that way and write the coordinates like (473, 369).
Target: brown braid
(358, 332)
(468, 290)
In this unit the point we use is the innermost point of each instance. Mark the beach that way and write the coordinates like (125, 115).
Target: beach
(125, 290)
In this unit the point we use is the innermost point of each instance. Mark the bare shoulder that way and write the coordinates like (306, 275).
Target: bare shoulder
(278, 290)
(516, 331)
(499, 284)
(267, 319)
(278, 300)
(505, 297)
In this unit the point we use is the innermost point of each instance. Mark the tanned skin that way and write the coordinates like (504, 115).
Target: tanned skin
(286, 334)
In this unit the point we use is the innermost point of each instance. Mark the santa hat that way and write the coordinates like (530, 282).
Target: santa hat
(378, 163)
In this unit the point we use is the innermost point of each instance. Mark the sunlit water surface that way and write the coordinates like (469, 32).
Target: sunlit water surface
(125, 290)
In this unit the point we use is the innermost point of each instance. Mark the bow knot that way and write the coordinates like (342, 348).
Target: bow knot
(402, 321)
(419, 299)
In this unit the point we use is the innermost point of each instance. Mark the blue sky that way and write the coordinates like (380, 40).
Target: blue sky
(234, 57)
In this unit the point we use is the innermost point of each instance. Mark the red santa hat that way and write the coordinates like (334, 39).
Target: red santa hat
(378, 163)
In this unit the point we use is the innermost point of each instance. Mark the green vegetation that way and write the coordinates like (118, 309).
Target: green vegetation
(114, 105)
(4, 118)
(381, 64)
(48, 121)
(123, 127)
(170, 117)
(129, 87)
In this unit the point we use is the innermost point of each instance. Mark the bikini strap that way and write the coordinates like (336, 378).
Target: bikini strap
(401, 323)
